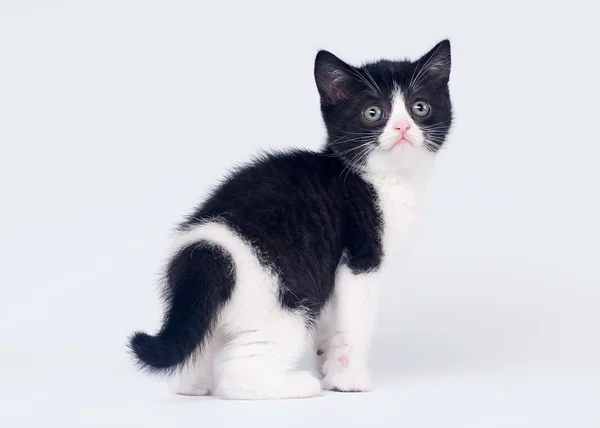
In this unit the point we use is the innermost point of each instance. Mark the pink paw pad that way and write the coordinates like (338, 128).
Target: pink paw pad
(343, 361)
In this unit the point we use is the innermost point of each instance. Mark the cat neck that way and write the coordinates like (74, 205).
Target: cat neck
(408, 168)
(399, 176)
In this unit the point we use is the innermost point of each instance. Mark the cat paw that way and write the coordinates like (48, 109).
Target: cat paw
(304, 385)
(345, 375)
(190, 390)
(269, 386)
(181, 387)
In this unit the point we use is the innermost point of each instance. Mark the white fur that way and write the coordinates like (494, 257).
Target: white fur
(345, 331)
(257, 342)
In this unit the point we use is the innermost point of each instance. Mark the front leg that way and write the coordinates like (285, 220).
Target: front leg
(344, 335)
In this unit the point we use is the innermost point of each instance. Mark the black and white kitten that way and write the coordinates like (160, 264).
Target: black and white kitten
(293, 247)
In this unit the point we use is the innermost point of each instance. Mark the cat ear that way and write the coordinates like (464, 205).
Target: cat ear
(333, 77)
(435, 64)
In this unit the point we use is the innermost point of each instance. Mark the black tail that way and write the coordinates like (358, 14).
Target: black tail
(199, 281)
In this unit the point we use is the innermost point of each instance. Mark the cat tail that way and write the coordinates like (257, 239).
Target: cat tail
(199, 280)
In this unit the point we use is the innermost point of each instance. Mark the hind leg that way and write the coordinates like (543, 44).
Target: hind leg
(263, 342)
(197, 377)
(258, 362)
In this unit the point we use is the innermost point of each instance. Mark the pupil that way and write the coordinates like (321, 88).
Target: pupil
(372, 112)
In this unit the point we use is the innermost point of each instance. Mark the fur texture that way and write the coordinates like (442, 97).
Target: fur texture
(292, 248)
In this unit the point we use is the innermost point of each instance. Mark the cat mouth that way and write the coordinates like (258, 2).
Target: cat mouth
(401, 142)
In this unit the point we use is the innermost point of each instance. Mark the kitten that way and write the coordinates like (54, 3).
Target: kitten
(293, 247)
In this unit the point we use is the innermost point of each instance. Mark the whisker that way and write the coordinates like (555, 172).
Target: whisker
(354, 148)
(351, 141)
(355, 133)
(424, 70)
(363, 80)
(370, 76)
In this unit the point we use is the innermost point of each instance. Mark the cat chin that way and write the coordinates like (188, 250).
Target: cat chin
(405, 161)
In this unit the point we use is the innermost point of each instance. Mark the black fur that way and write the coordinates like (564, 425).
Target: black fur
(304, 212)
(301, 218)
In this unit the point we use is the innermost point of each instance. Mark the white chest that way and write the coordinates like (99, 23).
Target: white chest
(399, 203)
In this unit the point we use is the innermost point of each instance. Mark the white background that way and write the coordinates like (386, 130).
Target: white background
(116, 117)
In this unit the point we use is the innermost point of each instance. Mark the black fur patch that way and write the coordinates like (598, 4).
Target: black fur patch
(301, 217)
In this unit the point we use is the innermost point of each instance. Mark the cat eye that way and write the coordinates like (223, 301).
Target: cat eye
(373, 113)
(420, 108)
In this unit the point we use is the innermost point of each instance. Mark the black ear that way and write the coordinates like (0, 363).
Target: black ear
(435, 64)
(333, 77)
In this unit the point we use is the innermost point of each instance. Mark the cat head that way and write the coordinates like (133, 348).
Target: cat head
(386, 117)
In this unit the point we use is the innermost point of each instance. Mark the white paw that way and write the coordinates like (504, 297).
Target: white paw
(269, 387)
(346, 375)
(303, 385)
(191, 391)
(183, 388)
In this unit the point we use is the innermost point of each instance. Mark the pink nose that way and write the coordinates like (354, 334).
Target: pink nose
(402, 127)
